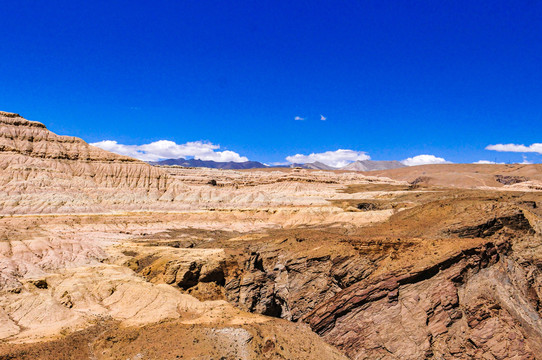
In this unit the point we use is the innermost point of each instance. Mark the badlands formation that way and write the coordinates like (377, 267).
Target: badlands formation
(106, 257)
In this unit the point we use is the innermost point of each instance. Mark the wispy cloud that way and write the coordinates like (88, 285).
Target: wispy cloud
(165, 149)
(533, 148)
(525, 161)
(323, 118)
(337, 158)
(299, 118)
(424, 159)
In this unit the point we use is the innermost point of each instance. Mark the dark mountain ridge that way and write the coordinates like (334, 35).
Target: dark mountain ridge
(210, 164)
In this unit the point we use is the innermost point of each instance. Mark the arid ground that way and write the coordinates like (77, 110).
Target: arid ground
(106, 257)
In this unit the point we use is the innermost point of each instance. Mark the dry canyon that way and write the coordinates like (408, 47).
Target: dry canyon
(103, 256)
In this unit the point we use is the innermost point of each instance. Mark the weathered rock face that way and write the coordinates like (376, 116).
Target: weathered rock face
(483, 302)
(478, 303)
(479, 298)
(280, 284)
(400, 315)
(31, 138)
(184, 268)
(45, 172)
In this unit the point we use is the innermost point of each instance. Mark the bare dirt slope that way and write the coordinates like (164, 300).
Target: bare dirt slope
(467, 175)
(105, 257)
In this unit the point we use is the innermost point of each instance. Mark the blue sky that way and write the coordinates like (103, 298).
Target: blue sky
(394, 79)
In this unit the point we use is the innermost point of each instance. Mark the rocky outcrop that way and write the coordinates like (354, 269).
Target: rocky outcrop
(184, 268)
(510, 180)
(473, 305)
(44, 172)
(283, 283)
(515, 222)
(480, 298)
(323, 319)
(31, 138)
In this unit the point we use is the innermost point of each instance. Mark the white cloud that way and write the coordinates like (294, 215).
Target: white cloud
(337, 158)
(165, 149)
(299, 118)
(525, 161)
(534, 148)
(486, 162)
(424, 160)
(323, 118)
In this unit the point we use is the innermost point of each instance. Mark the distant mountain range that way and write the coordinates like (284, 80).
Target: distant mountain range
(370, 165)
(365, 165)
(210, 164)
(314, 165)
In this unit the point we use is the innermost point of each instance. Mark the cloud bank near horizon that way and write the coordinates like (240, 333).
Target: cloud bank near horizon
(533, 148)
(166, 149)
(424, 159)
(342, 157)
(337, 158)
(202, 150)
(486, 162)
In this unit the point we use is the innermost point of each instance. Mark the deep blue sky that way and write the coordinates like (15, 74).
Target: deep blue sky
(394, 78)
